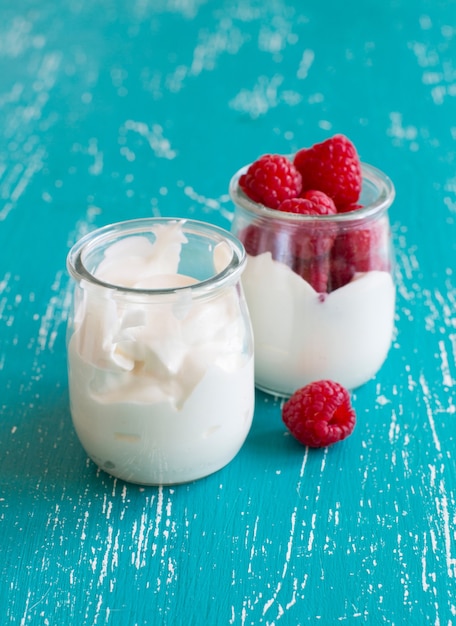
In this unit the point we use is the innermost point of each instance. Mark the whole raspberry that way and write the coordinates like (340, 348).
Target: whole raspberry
(319, 414)
(268, 237)
(255, 239)
(311, 242)
(322, 200)
(315, 271)
(332, 166)
(359, 250)
(300, 206)
(270, 180)
(310, 203)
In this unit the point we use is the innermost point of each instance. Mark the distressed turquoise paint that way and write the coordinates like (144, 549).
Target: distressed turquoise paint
(118, 110)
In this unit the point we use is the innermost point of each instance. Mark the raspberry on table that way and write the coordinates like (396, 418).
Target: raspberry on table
(319, 414)
(270, 180)
(332, 166)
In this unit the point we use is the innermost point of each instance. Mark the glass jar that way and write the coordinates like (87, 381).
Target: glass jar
(320, 290)
(160, 349)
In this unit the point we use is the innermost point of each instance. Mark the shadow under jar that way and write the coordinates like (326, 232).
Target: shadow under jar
(320, 290)
(160, 349)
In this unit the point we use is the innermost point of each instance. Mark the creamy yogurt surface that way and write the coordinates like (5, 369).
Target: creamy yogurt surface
(161, 387)
(302, 336)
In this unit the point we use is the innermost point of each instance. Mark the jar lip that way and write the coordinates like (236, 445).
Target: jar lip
(370, 175)
(90, 241)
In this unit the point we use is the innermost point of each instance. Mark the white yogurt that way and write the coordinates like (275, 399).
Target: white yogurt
(161, 387)
(302, 336)
(156, 442)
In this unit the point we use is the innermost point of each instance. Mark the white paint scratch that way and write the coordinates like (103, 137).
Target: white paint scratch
(429, 413)
(208, 205)
(446, 375)
(264, 96)
(273, 599)
(160, 146)
(307, 59)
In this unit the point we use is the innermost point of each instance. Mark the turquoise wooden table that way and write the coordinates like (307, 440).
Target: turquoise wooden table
(116, 110)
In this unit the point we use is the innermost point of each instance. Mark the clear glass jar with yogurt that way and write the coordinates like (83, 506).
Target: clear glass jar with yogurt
(320, 290)
(160, 349)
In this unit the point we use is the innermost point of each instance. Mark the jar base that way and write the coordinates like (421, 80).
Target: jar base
(170, 482)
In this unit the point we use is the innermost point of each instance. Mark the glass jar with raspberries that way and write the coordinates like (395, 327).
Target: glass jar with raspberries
(319, 277)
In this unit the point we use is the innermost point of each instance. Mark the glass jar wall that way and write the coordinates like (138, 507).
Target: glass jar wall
(160, 349)
(320, 290)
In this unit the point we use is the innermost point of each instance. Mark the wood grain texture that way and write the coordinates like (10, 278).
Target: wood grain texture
(110, 111)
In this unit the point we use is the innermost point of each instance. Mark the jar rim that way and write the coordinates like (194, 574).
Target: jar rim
(370, 174)
(108, 233)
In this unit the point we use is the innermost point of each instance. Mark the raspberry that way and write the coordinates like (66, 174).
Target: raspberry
(310, 203)
(321, 200)
(313, 238)
(361, 250)
(347, 208)
(268, 237)
(255, 239)
(284, 244)
(315, 271)
(332, 166)
(319, 414)
(270, 180)
(312, 241)
(301, 206)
